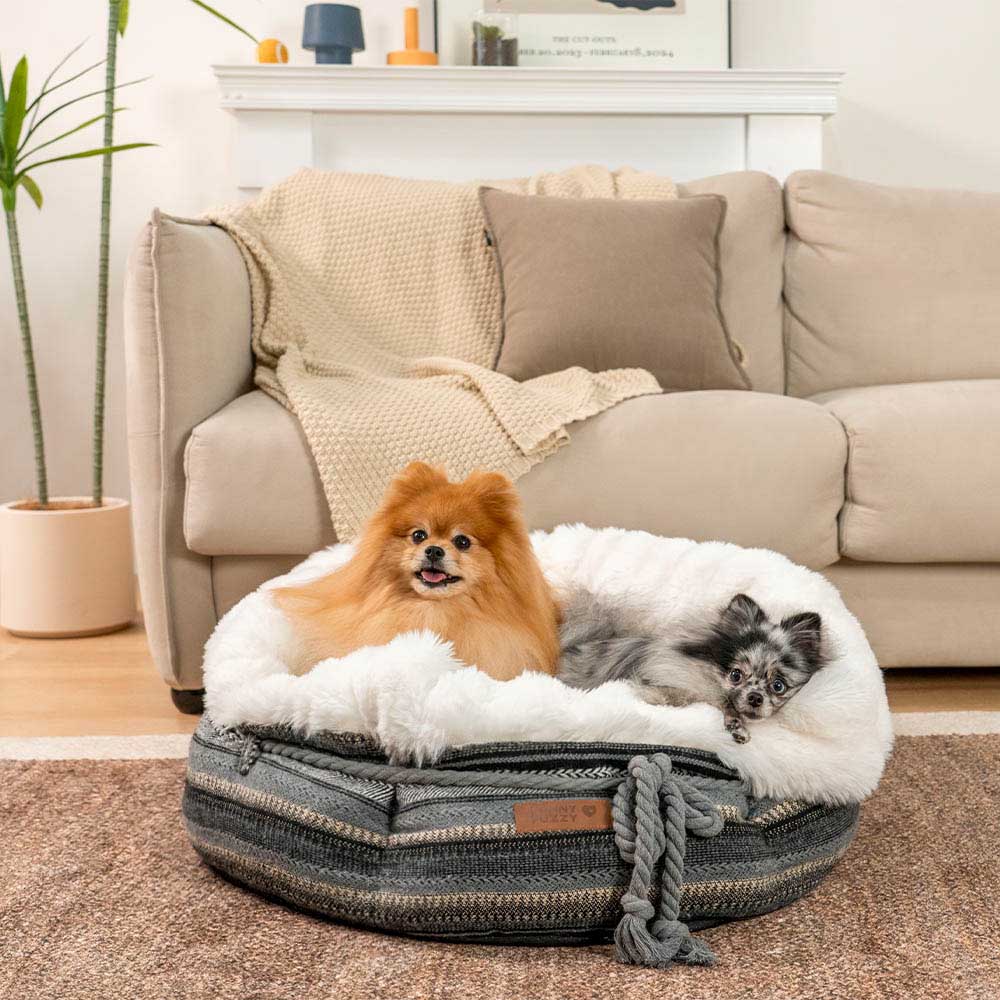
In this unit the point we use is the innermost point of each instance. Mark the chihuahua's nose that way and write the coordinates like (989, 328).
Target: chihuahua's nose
(434, 553)
(756, 699)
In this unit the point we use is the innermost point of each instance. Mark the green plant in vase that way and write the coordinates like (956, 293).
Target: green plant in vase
(54, 551)
(67, 562)
(494, 41)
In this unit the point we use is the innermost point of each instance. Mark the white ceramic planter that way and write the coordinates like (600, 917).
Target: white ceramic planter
(66, 572)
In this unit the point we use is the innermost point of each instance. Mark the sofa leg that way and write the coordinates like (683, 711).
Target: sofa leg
(188, 702)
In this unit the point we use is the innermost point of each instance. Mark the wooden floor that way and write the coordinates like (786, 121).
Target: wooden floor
(102, 686)
(108, 686)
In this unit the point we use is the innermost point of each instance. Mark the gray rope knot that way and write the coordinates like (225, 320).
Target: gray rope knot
(653, 811)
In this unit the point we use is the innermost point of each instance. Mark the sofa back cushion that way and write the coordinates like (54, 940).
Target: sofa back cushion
(751, 255)
(889, 285)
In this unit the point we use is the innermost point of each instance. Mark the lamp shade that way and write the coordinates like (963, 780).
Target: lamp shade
(334, 31)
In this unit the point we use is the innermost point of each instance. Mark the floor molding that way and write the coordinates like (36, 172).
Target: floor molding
(945, 723)
(162, 746)
(175, 746)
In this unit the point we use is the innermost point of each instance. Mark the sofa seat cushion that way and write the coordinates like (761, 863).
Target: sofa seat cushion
(751, 468)
(923, 472)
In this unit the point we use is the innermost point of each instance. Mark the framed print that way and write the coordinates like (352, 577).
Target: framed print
(636, 34)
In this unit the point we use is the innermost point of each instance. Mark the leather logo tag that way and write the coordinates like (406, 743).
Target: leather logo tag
(551, 815)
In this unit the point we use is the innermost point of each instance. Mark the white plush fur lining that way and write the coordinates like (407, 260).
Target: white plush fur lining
(829, 743)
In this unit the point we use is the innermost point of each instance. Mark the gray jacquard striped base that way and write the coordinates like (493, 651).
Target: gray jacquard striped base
(327, 825)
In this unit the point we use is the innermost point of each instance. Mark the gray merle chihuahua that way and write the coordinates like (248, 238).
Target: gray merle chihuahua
(743, 663)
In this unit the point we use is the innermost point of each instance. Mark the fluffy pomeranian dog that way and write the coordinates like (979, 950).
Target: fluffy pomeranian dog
(743, 662)
(454, 558)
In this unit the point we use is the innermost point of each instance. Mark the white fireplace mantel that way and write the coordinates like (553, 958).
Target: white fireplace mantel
(462, 122)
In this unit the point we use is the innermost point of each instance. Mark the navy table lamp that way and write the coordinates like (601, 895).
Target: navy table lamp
(334, 31)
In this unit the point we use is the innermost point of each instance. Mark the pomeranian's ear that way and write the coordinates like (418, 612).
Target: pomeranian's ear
(421, 474)
(495, 493)
(742, 614)
(416, 478)
(805, 635)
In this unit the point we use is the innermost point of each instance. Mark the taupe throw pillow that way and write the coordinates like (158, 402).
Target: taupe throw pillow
(603, 283)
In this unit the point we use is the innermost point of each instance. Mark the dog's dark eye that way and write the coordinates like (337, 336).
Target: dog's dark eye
(778, 686)
(461, 542)
(418, 536)
(735, 676)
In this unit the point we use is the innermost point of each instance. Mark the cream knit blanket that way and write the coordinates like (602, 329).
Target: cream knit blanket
(377, 321)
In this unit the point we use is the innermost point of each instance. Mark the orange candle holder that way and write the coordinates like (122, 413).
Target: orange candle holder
(412, 55)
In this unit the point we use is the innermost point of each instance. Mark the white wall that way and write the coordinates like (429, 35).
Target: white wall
(919, 103)
(919, 107)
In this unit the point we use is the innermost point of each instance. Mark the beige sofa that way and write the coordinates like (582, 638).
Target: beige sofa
(869, 323)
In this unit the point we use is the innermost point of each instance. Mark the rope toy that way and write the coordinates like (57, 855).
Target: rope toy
(652, 812)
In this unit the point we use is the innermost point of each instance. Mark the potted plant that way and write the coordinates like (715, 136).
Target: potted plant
(65, 562)
(55, 550)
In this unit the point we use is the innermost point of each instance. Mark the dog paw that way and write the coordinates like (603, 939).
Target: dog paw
(737, 730)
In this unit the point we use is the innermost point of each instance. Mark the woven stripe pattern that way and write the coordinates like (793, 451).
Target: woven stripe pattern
(328, 826)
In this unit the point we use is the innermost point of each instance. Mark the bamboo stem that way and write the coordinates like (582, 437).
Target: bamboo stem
(41, 476)
(105, 246)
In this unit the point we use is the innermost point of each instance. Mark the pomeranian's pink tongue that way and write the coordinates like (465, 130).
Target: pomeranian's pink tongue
(432, 576)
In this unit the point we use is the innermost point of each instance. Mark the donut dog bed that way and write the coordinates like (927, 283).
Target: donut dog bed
(398, 790)
(329, 826)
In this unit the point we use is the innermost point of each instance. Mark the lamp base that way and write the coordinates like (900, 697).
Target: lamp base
(339, 55)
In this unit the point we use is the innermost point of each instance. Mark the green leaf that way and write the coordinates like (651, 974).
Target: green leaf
(122, 17)
(224, 19)
(94, 93)
(3, 114)
(80, 127)
(81, 156)
(46, 89)
(33, 190)
(35, 105)
(13, 116)
(55, 69)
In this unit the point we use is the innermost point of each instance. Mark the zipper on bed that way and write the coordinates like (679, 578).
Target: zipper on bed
(249, 753)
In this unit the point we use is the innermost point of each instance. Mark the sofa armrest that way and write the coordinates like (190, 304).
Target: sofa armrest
(187, 351)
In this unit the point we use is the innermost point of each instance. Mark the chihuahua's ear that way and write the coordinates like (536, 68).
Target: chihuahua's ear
(495, 492)
(711, 649)
(805, 635)
(416, 478)
(743, 614)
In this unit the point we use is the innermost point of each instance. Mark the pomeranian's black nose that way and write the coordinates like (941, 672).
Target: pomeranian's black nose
(434, 552)
(755, 699)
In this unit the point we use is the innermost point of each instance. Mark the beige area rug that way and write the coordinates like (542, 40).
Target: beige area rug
(102, 897)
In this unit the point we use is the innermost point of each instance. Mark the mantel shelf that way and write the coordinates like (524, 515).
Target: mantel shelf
(522, 90)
